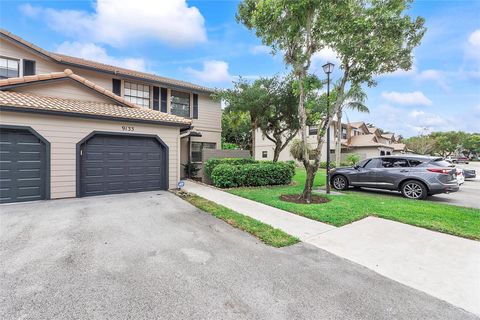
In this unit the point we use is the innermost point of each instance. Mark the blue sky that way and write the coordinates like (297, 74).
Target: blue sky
(200, 41)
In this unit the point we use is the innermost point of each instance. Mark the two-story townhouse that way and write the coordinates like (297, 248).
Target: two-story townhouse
(356, 137)
(73, 127)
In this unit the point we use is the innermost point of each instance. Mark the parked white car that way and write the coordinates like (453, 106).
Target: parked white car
(460, 176)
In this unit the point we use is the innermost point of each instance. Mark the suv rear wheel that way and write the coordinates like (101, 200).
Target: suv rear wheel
(339, 182)
(413, 189)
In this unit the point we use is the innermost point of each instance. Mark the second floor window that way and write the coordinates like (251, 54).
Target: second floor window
(8, 68)
(180, 104)
(137, 93)
(312, 130)
(344, 133)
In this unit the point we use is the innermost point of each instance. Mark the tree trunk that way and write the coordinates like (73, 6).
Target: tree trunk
(338, 142)
(254, 130)
(276, 151)
(307, 190)
(302, 116)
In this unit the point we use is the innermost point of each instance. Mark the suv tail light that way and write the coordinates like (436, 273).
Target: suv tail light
(438, 170)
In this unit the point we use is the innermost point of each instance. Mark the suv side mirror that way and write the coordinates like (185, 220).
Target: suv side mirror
(356, 167)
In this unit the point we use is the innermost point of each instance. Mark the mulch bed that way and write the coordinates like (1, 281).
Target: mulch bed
(295, 198)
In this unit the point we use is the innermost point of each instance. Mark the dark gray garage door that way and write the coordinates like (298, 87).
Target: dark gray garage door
(23, 166)
(118, 164)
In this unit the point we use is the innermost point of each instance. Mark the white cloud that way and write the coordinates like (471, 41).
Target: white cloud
(91, 51)
(474, 38)
(323, 56)
(425, 119)
(409, 123)
(213, 71)
(436, 76)
(407, 98)
(126, 22)
(260, 49)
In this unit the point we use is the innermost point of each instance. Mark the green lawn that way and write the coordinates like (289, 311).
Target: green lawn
(266, 233)
(352, 206)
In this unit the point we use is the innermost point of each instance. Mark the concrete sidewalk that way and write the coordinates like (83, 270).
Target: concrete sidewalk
(292, 224)
(444, 266)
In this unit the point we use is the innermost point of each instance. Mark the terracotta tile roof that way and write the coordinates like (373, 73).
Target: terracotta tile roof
(63, 59)
(357, 124)
(67, 73)
(366, 140)
(388, 136)
(399, 146)
(30, 101)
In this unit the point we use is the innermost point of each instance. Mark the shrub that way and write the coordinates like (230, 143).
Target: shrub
(323, 164)
(212, 163)
(352, 159)
(229, 146)
(191, 169)
(262, 173)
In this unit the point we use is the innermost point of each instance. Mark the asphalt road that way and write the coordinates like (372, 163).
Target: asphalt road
(153, 256)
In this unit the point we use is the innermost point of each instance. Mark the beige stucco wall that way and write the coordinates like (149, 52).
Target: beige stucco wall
(67, 89)
(263, 144)
(64, 133)
(209, 111)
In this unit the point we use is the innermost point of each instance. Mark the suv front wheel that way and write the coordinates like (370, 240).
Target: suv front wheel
(339, 182)
(413, 189)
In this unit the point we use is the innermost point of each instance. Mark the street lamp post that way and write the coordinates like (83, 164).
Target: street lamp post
(328, 68)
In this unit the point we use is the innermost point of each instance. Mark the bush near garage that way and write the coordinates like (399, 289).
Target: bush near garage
(261, 173)
(212, 163)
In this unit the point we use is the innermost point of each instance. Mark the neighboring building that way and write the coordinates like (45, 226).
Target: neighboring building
(357, 138)
(72, 127)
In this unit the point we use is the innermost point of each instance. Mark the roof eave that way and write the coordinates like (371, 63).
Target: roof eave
(4, 107)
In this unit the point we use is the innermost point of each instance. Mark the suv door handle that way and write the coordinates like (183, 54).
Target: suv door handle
(404, 170)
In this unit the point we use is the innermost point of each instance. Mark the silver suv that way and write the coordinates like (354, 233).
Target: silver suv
(416, 177)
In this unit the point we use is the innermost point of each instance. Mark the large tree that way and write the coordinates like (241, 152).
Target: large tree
(279, 122)
(422, 144)
(270, 104)
(369, 38)
(448, 143)
(236, 128)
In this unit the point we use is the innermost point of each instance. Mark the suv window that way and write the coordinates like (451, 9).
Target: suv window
(362, 163)
(373, 163)
(394, 163)
(442, 163)
(414, 163)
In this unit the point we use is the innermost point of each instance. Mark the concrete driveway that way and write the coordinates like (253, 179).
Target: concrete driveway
(154, 256)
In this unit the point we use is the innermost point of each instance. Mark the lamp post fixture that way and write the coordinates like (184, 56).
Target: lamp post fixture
(328, 68)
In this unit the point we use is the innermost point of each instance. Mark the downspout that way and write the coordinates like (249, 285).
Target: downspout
(189, 156)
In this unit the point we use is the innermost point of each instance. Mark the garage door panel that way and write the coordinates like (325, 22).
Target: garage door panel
(121, 164)
(23, 166)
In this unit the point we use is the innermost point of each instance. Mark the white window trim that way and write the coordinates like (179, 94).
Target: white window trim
(150, 90)
(20, 64)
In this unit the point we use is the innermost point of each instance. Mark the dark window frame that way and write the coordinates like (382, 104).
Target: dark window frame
(312, 130)
(264, 154)
(202, 146)
(34, 64)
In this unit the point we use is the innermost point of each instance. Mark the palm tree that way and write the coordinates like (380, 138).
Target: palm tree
(354, 100)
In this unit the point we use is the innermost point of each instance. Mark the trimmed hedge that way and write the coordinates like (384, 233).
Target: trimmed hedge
(260, 173)
(212, 163)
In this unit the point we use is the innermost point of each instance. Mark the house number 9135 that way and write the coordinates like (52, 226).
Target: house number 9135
(128, 128)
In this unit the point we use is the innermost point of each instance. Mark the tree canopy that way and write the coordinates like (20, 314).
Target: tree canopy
(368, 37)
